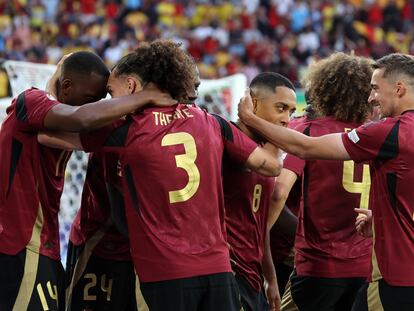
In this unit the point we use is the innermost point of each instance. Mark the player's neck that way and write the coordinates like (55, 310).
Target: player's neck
(407, 104)
(246, 130)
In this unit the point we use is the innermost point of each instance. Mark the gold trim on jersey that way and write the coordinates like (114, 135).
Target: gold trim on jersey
(376, 273)
(373, 297)
(287, 300)
(61, 162)
(83, 259)
(30, 265)
(141, 304)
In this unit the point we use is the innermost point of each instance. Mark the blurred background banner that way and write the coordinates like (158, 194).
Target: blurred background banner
(220, 96)
(23, 75)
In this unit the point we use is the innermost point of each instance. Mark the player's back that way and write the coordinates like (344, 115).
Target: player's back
(326, 240)
(172, 169)
(31, 179)
(95, 211)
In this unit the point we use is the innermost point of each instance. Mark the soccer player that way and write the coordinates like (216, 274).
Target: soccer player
(332, 259)
(282, 233)
(98, 254)
(247, 196)
(32, 177)
(171, 164)
(99, 270)
(387, 144)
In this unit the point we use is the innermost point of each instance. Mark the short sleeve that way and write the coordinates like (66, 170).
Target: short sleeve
(110, 138)
(294, 164)
(238, 146)
(32, 107)
(373, 141)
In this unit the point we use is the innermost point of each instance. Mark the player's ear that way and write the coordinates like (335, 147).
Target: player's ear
(401, 88)
(134, 85)
(65, 87)
(255, 101)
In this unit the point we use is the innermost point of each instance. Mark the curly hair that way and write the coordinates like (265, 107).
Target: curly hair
(162, 62)
(339, 86)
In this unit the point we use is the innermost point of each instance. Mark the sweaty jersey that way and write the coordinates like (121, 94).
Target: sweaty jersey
(388, 144)
(171, 163)
(93, 223)
(327, 243)
(31, 179)
(246, 198)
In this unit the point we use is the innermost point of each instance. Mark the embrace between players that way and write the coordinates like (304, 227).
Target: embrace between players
(178, 203)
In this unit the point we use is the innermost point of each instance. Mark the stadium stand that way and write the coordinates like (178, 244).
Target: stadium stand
(226, 37)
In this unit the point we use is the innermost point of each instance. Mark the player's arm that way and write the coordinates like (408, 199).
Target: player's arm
(269, 272)
(287, 223)
(98, 114)
(323, 147)
(284, 184)
(240, 148)
(60, 140)
(264, 162)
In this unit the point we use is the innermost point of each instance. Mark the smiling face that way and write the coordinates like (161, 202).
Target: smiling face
(275, 107)
(384, 94)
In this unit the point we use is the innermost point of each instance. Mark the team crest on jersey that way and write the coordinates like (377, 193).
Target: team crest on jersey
(352, 135)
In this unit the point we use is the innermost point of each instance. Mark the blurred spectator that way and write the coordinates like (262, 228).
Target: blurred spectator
(223, 36)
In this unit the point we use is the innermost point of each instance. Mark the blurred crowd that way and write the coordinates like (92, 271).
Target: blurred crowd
(225, 37)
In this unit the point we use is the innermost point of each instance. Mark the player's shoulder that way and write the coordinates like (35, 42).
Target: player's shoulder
(380, 125)
(34, 93)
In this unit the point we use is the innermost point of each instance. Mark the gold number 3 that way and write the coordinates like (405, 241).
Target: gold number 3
(185, 161)
(362, 187)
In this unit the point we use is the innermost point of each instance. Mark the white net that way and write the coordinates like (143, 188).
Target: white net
(219, 96)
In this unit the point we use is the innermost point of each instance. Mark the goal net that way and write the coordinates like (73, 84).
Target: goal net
(219, 96)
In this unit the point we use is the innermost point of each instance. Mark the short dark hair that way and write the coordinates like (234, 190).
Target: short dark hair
(270, 81)
(395, 64)
(84, 63)
(162, 62)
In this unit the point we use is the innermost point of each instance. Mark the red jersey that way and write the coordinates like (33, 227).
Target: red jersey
(246, 199)
(327, 243)
(388, 145)
(31, 179)
(281, 244)
(172, 159)
(95, 212)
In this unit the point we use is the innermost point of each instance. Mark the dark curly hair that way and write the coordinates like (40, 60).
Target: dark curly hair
(339, 86)
(162, 62)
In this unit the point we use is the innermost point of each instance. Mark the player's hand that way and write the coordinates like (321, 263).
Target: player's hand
(51, 85)
(245, 105)
(273, 296)
(363, 222)
(154, 96)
